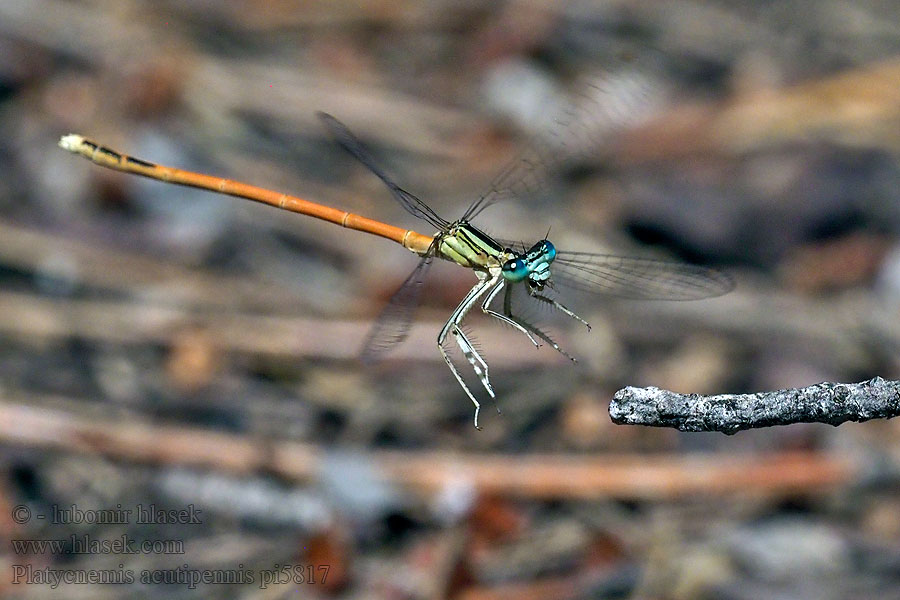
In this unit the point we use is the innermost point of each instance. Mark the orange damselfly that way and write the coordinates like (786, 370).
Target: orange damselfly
(541, 268)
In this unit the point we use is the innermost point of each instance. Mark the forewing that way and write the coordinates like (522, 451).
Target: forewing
(637, 278)
(393, 324)
(572, 128)
(351, 144)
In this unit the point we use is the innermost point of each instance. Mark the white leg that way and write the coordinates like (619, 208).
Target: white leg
(485, 306)
(559, 307)
(452, 325)
(478, 365)
(461, 383)
(507, 308)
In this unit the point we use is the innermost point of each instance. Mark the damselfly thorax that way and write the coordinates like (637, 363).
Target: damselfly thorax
(468, 246)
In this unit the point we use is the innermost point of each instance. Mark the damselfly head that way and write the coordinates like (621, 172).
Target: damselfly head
(548, 249)
(542, 251)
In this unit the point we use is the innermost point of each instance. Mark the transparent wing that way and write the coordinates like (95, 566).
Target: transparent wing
(351, 144)
(525, 178)
(572, 128)
(392, 325)
(514, 245)
(637, 278)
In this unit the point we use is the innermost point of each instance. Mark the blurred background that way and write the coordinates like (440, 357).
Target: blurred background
(170, 347)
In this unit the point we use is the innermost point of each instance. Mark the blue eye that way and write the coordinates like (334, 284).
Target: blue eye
(549, 251)
(514, 270)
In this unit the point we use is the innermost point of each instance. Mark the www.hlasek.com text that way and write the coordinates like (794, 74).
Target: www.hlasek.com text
(86, 544)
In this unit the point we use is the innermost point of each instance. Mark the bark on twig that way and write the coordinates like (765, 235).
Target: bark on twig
(832, 403)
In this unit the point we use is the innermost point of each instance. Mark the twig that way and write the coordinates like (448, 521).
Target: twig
(532, 475)
(832, 403)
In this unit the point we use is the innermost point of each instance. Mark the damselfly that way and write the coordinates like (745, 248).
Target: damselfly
(498, 267)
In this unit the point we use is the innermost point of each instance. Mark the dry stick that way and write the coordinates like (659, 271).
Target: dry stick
(532, 475)
(832, 403)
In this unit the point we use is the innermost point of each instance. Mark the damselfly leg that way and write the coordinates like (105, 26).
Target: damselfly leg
(452, 326)
(485, 306)
(558, 306)
(507, 309)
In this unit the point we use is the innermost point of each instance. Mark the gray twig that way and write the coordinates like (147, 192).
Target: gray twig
(832, 403)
